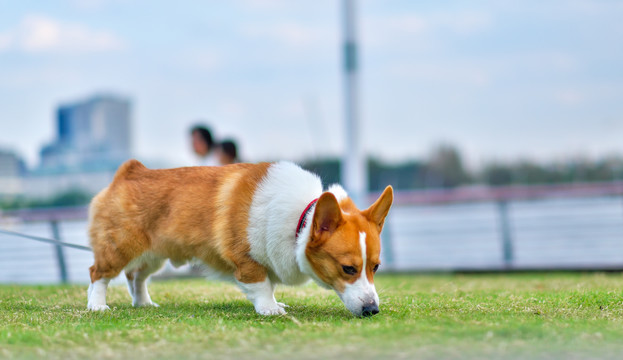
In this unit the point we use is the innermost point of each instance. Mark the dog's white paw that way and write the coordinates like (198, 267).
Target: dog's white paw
(272, 309)
(98, 307)
(282, 305)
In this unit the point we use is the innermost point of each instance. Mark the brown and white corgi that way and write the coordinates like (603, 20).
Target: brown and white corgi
(256, 224)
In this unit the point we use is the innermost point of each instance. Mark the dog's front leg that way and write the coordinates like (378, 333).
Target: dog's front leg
(262, 295)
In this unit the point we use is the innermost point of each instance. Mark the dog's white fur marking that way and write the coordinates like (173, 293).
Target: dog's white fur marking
(262, 296)
(364, 255)
(338, 191)
(97, 295)
(361, 292)
(277, 205)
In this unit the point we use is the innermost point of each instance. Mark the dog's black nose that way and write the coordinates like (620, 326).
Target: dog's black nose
(370, 310)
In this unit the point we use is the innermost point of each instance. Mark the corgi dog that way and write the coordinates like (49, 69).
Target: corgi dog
(258, 225)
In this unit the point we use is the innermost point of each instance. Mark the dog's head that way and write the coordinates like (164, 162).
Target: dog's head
(344, 249)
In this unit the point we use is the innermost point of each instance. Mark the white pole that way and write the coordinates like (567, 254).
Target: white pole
(354, 174)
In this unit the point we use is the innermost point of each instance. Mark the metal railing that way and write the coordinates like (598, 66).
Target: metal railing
(507, 223)
(52, 216)
(495, 229)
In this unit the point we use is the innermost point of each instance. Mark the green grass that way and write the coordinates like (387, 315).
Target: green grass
(560, 316)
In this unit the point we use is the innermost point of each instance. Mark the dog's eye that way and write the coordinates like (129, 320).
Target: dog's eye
(376, 267)
(350, 270)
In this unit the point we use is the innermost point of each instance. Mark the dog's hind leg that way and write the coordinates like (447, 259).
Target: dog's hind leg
(129, 275)
(137, 280)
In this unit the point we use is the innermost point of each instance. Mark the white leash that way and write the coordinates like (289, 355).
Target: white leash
(46, 240)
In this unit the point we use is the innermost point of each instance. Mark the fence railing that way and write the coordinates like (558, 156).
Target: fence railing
(480, 193)
(53, 217)
(571, 226)
(575, 226)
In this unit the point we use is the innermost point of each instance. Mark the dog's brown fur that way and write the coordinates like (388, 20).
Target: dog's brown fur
(180, 214)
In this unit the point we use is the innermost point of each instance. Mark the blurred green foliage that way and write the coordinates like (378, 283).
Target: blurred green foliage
(75, 197)
(445, 168)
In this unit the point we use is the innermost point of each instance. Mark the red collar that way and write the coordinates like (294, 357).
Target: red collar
(303, 218)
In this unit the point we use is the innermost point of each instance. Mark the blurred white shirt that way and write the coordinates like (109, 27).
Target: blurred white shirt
(209, 160)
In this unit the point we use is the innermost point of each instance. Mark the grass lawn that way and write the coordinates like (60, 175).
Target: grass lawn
(549, 315)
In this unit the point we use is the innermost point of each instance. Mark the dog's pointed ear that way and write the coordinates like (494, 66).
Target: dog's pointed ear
(327, 216)
(377, 212)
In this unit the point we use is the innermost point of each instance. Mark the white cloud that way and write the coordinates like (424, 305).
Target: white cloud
(293, 109)
(465, 23)
(290, 34)
(405, 24)
(232, 109)
(5, 41)
(378, 31)
(201, 60)
(443, 72)
(95, 5)
(569, 97)
(266, 4)
(38, 33)
(88, 4)
(383, 30)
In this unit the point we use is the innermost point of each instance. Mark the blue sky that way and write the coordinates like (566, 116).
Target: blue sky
(499, 79)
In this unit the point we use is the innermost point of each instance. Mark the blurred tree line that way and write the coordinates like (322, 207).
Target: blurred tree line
(74, 197)
(445, 168)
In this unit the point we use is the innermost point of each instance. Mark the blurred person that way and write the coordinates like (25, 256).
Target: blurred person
(203, 145)
(227, 152)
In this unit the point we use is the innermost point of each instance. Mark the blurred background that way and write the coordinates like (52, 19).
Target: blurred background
(499, 124)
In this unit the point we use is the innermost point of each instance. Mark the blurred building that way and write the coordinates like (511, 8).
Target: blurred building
(12, 167)
(92, 135)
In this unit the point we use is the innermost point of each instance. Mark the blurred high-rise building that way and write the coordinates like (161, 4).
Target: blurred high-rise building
(11, 165)
(92, 135)
(11, 168)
